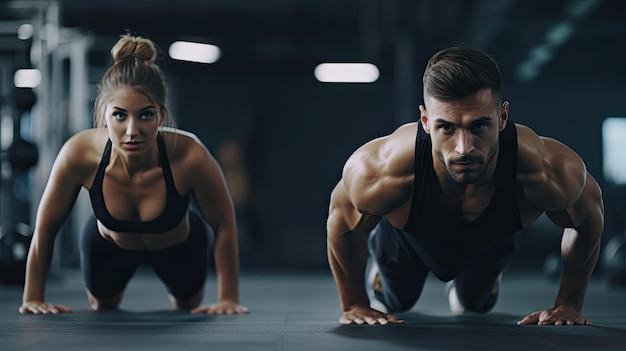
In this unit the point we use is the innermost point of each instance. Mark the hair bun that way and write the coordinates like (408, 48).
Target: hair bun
(130, 47)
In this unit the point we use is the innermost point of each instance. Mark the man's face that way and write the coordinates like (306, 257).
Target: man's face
(464, 133)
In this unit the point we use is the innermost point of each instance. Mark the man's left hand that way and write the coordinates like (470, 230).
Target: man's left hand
(559, 315)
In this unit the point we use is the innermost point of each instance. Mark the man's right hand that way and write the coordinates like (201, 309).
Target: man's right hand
(367, 315)
(40, 307)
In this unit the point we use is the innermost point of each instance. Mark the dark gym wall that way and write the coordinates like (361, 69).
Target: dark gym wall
(300, 132)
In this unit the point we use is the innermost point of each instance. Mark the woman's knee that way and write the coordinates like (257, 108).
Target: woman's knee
(188, 302)
(99, 304)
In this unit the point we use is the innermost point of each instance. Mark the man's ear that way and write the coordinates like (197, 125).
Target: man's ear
(424, 118)
(504, 115)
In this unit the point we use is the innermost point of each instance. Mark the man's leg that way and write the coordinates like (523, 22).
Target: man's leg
(476, 288)
(396, 274)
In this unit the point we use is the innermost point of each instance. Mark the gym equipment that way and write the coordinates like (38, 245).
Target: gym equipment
(14, 246)
(15, 238)
(614, 261)
(22, 154)
(552, 265)
(24, 98)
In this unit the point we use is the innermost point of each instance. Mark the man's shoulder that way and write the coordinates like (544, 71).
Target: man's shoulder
(407, 130)
(389, 153)
(551, 174)
(401, 143)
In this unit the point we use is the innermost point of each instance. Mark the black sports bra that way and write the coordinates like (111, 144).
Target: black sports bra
(176, 206)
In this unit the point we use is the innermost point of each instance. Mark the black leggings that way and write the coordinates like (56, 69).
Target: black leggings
(107, 268)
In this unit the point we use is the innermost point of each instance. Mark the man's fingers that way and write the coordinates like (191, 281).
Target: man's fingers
(65, 309)
(358, 318)
(530, 319)
(393, 319)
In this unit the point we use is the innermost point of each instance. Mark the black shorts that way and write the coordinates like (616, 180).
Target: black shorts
(403, 272)
(107, 268)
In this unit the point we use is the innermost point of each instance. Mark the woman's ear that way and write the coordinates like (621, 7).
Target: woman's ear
(163, 116)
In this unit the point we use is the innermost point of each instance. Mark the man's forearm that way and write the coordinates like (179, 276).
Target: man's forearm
(580, 249)
(347, 256)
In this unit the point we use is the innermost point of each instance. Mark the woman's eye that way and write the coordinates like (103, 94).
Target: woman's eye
(118, 115)
(147, 115)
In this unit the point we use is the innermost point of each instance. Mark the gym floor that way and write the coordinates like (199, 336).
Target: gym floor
(300, 311)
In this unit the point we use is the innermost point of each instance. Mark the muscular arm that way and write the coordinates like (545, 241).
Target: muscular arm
(375, 182)
(580, 245)
(347, 231)
(556, 180)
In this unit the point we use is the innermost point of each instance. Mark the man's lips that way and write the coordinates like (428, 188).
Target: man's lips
(466, 164)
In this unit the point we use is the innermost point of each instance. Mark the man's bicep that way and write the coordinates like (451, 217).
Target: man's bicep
(345, 217)
(589, 207)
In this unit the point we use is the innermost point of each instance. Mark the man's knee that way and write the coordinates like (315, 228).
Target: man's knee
(401, 299)
(396, 305)
(473, 300)
(479, 305)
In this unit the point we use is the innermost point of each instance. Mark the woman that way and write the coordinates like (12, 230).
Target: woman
(140, 175)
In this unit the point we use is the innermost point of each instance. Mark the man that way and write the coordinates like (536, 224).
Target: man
(447, 194)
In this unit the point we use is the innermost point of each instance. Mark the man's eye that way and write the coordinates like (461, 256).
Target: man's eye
(479, 127)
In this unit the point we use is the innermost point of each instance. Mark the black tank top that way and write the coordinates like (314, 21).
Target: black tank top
(176, 206)
(446, 242)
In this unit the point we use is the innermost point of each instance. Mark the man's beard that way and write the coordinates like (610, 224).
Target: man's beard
(468, 176)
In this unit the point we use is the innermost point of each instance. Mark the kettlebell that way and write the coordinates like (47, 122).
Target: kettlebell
(14, 246)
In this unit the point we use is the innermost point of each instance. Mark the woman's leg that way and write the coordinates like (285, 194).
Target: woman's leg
(183, 268)
(106, 267)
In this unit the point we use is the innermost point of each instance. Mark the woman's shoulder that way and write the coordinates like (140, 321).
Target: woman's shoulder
(87, 141)
(91, 133)
(171, 134)
(181, 143)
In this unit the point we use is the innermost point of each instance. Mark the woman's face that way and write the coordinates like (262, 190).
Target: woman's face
(132, 121)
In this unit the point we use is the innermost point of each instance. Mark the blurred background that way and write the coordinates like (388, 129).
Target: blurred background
(281, 132)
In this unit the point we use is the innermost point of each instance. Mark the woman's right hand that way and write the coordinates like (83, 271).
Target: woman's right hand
(40, 307)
